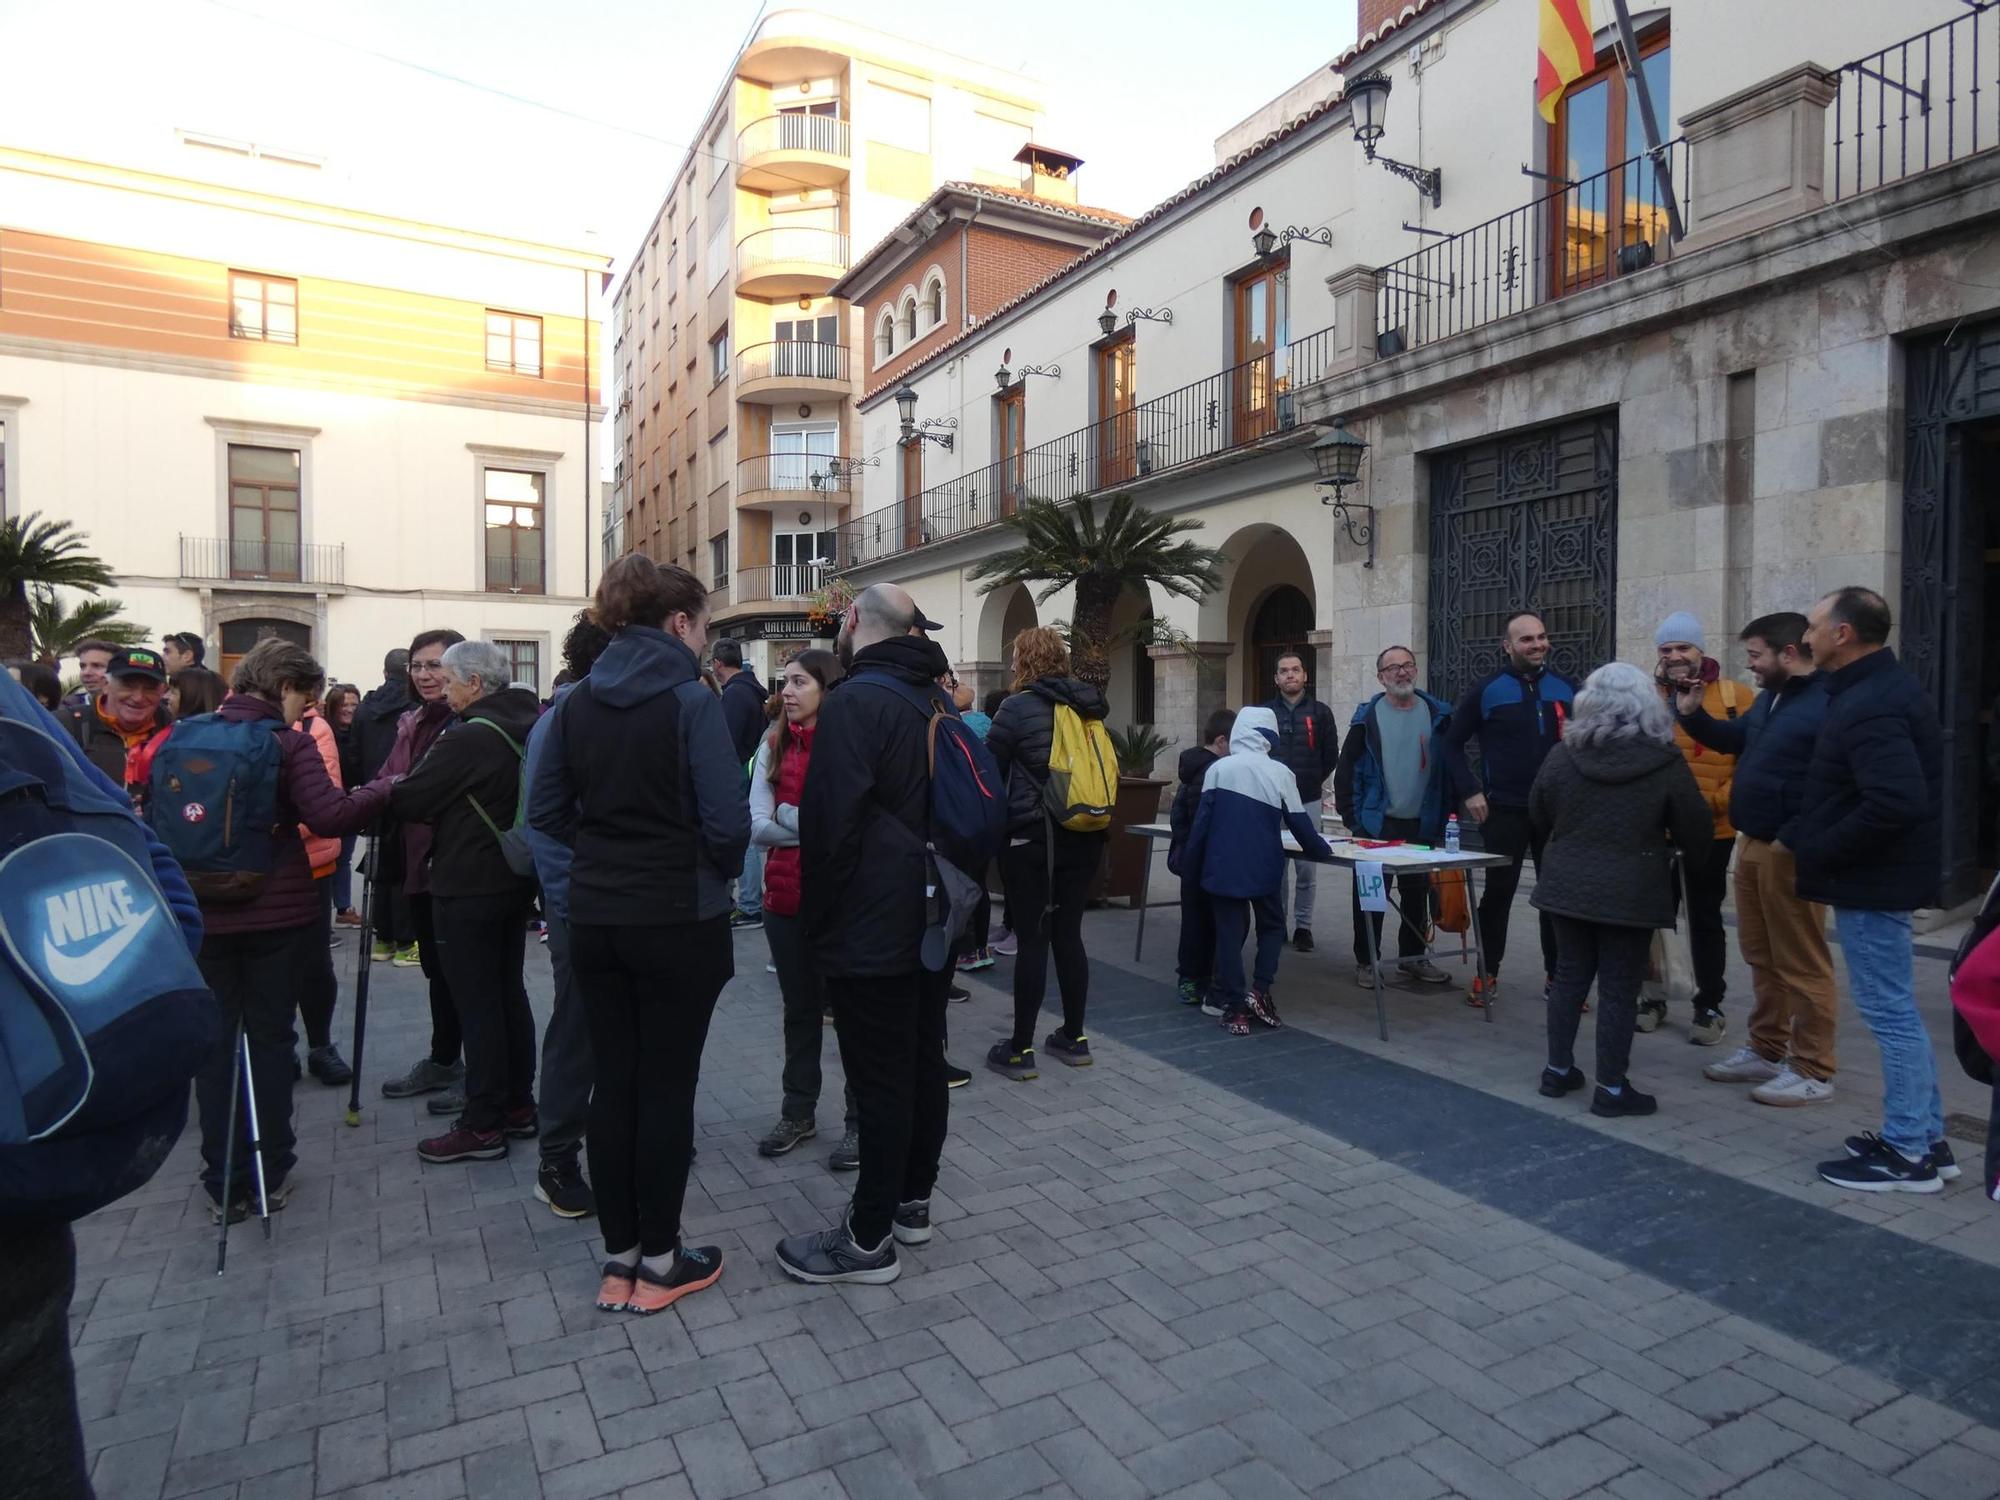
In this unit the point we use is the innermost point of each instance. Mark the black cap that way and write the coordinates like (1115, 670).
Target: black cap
(924, 622)
(136, 662)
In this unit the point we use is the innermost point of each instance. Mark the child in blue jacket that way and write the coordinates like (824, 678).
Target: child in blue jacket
(1196, 966)
(1247, 801)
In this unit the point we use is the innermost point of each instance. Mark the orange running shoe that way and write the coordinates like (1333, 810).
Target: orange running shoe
(693, 1270)
(1482, 990)
(614, 1293)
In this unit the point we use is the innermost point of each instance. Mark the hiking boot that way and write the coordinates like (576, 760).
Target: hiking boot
(559, 1183)
(461, 1144)
(328, 1066)
(1883, 1170)
(1627, 1101)
(1424, 971)
(1004, 944)
(846, 1157)
(1868, 1143)
(246, 1205)
(347, 916)
(1264, 1009)
(955, 1077)
(1708, 1029)
(1188, 992)
(1237, 1022)
(743, 921)
(522, 1124)
(833, 1256)
(1302, 940)
(380, 951)
(1482, 991)
(912, 1225)
(1744, 1065)
(451, 1102)
(425, 1077)
(1076, 1053)
(786, 1134)
(693, 1270)
(1554, 1085)
(407, 957)
(1364, 975)
(1009, 1063)
(1788, 1089)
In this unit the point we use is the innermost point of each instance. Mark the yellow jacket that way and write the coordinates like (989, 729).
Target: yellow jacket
(1713, 773)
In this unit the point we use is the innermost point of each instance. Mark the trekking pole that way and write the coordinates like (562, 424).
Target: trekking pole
(361, 980)
(229, 1146)
(256, 1139)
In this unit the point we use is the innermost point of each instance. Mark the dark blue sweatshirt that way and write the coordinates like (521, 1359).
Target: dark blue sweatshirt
(1773, 746)
(1517, 717)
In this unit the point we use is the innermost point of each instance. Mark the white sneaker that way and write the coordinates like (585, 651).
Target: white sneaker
(1744, 1065)
(1789, 1089)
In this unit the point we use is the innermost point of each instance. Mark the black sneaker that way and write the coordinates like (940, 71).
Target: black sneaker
(785, 1135)
(741, 921)
(1868, 1143)
(1627, 1101)
(1555, 1085)
(846, 1156)
(559, 1183)
(833, 1256)
(955, 1077)
(1302, 940)
(912, 1224)
(958, 994)
(328, 1066)
(1004, 1060)
(1075, 1053)
(1883, 1170)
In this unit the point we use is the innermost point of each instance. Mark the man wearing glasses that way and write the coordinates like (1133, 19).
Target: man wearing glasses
(1391, 784)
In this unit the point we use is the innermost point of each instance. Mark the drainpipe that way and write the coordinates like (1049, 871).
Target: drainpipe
(589, 483)
(964, 282)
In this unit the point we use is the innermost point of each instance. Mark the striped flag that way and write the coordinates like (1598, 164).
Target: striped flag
(1566, 52)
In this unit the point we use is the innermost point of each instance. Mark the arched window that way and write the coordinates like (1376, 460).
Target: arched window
(885, 335)
(934, 301)
(909, 320)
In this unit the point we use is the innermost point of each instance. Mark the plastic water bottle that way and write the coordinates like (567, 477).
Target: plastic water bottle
(1451, 834)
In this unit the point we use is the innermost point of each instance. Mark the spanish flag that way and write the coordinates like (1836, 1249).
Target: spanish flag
(1567, 53)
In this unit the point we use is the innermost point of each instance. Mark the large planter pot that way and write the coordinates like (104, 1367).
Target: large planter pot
(1125, 862)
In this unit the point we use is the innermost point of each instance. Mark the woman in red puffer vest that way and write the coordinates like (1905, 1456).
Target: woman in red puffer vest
(777, 779)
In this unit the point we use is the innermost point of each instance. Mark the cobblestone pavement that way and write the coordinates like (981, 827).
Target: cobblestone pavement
(1302, 1263)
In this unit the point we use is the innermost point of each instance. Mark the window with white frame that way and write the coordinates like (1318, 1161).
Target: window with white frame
(800, 561)
(524, 663)
(718, 560)
(264, 308)
(514, 531)
(797, 453)
(908, 321)
(513, 343)
(934, 301)
(885, 335)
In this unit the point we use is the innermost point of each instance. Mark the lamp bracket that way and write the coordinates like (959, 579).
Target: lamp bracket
(1150, 315)
(937, 430)
(1428, 180)
(1361, 533)
(1054, 372)
(1321, 236)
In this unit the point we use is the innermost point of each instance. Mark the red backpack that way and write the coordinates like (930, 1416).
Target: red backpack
(1975, 991)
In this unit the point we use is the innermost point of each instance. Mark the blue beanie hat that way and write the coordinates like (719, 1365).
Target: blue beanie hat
(1680, 626)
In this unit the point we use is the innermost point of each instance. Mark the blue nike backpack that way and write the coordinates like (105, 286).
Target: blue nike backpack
(215, 804)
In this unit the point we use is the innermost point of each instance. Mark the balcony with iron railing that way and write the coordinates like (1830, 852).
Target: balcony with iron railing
(783, 152)
(793, 477)
(792, 370)
(1233, 409)
(316, 567)
(779, 583)
(790, 261)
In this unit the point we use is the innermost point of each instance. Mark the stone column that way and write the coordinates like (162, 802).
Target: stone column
(1759, 155)
(1353, 292)
(983, 677)
(1188, 686)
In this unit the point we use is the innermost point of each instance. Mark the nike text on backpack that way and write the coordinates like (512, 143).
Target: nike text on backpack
(103, 1015)
(1082, 785)
(514, 837)
(215, 804)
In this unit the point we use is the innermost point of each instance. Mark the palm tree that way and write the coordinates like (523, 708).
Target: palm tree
(1069, 542)
(46, 553)
(58, 630)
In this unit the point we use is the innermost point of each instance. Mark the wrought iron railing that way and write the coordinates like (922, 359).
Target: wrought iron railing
(790, 245)
(1584, 233)
(1924, 102)
(790, 359)
(218, 559)
(808, 473)
(1228, 410)
(778, 581)
(792, 132)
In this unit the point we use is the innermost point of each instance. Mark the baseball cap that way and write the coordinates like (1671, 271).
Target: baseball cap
(924, 621)
(136, 662)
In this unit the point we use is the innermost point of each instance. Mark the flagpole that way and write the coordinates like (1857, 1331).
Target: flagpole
(1636, 77)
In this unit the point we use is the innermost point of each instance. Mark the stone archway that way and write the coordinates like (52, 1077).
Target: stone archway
(1003, 614)
(237, 622)
(1265, 564)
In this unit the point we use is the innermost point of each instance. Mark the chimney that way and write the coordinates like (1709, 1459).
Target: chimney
(1373, 13)
(1048, 174)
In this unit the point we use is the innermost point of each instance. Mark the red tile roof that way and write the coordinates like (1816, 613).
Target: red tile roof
(1402, 18)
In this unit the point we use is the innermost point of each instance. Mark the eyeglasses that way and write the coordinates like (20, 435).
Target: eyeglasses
(1397, 669)
(426, 666)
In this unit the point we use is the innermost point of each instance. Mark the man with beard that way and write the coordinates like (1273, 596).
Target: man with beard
(1789, 1056)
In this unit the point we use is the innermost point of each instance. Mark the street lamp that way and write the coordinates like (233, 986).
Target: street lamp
(1337, 457)
(906, 414)
(1368, 99)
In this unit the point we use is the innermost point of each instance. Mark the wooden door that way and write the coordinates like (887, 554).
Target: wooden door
(913, 493)
(1117, 403)
(1013, 419)
(1263, 372)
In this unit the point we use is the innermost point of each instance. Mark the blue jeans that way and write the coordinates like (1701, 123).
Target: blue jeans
(1233, 916)
(750, 883)
(343, 876)
(1879, 969)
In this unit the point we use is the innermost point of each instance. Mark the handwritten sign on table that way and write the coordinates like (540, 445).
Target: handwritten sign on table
(1370, 887)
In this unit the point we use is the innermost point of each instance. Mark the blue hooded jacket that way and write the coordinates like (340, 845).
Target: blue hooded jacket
(552, 855)
(1360, 791)
(1247, 801)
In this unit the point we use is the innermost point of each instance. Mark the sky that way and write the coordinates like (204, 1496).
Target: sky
(564, 122)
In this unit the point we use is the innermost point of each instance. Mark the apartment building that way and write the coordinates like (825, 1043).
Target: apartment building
(736, 357)
(1417, 357)
(280, 416)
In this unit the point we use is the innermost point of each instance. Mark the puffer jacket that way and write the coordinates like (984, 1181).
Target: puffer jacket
(1248, 801)
(1192, 770)
(1773, 745)
(470, 763)
(321, 854)
(1714, 772)
(416, 731)
(1361, 791)
(378, 718)
(1020, 738)
(774, 815)
(1308, 744)
(1607, 811)
(307, 797)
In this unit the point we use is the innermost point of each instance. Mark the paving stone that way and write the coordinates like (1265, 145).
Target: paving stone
(1914, 1424)
(1951, 1472)
(352, 1453)
(1185, 1459)
(614, 1471)
(562, 1432)
(762, 1411)
(517, 1391)
(1568, 1467)
(504, 1473)
(1393, 1479)
(1000, 1477)
(822, 1448)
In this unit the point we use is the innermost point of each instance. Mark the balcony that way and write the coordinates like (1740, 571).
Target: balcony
(783, 152)
(790, 262)
(780, 583)
(280, 566)
(790, 370)
(774, 479)
(1231, 411)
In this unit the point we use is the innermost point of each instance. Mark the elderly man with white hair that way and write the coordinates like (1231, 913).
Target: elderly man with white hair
(468, 788)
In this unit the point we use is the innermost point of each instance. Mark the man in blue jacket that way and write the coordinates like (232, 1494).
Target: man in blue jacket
(1390, 784)
(1517, 715)
(1868, 840)
(1789, 1057)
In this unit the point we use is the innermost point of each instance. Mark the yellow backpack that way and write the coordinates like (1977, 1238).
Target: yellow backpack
(1083, 772)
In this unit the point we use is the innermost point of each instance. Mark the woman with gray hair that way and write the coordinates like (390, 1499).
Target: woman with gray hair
(1607, 800)
(468, 788)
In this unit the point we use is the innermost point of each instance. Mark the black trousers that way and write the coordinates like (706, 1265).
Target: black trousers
(254, 976)
(804, 998)
(1507, 831)
(1196, 960)
(1234, 919)
(41, 1440)
(1025, 870)
(567, 1065)
(1413, 895)
(446, 1036)
(892, 1044)
(319, 990)
(483, 944)
(1708, 943)
(650, 993)
(1616, 958)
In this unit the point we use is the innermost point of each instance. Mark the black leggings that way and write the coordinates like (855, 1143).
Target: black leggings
(1616, 958)
(1025, 870)
(482, 944)
(319, 987)
(446, 1038)
(649, 992)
